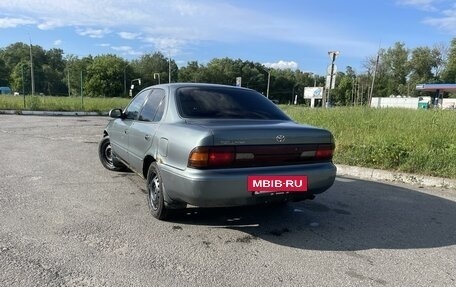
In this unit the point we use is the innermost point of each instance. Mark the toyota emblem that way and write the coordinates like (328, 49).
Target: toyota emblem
(280, 138)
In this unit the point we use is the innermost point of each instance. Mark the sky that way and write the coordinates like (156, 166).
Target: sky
(296, 34)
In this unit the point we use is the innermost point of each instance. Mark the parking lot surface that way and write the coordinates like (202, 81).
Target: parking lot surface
(66, 221)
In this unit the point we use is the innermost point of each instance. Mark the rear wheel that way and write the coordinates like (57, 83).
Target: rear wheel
(106, 157)
(155, 192)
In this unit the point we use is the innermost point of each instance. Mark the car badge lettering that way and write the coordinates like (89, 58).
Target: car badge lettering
(280, 138)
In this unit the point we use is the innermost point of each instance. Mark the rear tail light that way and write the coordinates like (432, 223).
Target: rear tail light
(202, 157)
(324, 151)
(263, 155)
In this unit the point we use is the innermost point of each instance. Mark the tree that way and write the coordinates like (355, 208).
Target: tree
(423, 62)
(105, 76)
(53, 72)
(4, 75)
(395, 62)
(222, 71)
(344, 93)
(47, 68)
(16, 57)
(74, 69)
(191, 73)
(150, 64)
(449, 73)
(441, 50)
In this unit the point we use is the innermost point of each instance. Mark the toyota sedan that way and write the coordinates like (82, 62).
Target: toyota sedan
(212, 145)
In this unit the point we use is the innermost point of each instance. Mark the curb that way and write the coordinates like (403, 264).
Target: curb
(51, 113)
(392, 176)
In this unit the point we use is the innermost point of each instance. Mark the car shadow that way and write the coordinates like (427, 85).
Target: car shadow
(352, 215)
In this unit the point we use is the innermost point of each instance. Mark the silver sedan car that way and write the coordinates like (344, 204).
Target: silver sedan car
(212, 145)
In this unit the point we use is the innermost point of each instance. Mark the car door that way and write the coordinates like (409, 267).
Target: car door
(142, 131)
(121, 127)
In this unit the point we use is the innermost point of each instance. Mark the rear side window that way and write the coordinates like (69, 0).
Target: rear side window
(226, 103)
(132, 111)
(154, 107)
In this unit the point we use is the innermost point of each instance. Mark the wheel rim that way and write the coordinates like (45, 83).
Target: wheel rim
(108, 154)
(154, 192)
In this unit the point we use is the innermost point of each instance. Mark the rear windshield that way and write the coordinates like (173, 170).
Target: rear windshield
(226, 103)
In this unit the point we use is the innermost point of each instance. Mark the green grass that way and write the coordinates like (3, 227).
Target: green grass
(46, 103)
(413, 141)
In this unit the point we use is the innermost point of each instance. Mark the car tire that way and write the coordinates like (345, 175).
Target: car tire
(106, 158)
(155, 193)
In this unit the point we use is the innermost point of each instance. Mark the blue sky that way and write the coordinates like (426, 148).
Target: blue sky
(293, 33)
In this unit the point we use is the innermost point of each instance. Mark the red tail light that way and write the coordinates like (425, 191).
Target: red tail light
(221, 156)
(258, 155)
(324, 151)
(202, 157)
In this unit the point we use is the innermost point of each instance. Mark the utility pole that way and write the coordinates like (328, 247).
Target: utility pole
(169, 67)
(82, 98)
(69, 87)
(331, 69)
(23, 86)
(373, 78)
(31, 68)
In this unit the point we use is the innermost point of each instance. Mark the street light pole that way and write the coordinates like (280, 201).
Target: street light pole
(269, 81)
(332, 56)
(169, 68)
(31, 69)
(125, 79)
(23, 87)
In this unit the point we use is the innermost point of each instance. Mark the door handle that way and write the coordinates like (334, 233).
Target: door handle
(147, 137)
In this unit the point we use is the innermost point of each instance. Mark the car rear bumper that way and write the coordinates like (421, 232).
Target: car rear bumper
(228, 187)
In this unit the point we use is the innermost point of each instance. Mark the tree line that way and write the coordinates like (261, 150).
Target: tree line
(393, 71)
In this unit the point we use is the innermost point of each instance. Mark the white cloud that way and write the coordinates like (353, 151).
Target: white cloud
(128, 35)
(57, 42)
(166, 45)
(175, 25)
(93, 33)
(9, 22)
(425, 5)
(282, 65)
(126, 50)
(49, 24)
(446, 22)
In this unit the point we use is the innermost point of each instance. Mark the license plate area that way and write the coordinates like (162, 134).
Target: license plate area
(260, 184)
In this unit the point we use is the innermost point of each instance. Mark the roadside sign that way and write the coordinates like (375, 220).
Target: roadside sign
(313, 92)
(238, 81)
(328, 79)
(328, 70)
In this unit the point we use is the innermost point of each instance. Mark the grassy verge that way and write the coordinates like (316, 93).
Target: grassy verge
(413, 141)
(46, 103)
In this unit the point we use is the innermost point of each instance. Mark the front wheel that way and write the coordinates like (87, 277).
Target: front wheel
(106, 158)
(155, 192)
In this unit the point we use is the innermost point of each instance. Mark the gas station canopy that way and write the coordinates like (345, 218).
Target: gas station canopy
(437, 87)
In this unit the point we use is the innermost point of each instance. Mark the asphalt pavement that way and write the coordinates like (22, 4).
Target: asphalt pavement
(66, 221)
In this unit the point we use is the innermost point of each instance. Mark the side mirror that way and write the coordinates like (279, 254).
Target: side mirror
(116, 113)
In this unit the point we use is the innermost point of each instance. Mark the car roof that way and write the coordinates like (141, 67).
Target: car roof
(180, 85)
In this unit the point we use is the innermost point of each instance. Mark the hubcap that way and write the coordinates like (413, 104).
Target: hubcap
(154, 191)
(108, 154)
